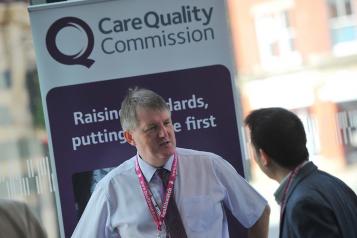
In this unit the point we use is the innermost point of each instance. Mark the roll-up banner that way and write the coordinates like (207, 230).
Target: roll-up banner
(90, 52)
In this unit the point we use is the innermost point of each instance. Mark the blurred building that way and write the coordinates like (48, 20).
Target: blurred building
(24, 168)
(302, 55)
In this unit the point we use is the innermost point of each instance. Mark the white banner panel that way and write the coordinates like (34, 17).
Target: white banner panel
(90, 52)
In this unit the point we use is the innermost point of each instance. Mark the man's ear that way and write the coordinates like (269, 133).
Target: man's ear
(129, 138)
(264, 157)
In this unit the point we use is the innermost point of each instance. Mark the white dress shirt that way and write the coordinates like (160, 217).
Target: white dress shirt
(204, 181)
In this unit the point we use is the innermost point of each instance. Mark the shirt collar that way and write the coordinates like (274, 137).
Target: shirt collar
(149, 171)
(280, 191)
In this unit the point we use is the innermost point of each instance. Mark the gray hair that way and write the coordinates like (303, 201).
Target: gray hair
(143, 98)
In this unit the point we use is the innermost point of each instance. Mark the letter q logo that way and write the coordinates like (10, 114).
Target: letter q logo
(80, 57)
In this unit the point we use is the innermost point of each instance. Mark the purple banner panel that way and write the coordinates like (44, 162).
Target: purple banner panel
(88, 140)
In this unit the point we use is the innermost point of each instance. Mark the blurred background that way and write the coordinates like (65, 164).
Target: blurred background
(296, 54)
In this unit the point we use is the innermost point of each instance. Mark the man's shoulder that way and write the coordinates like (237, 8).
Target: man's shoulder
(11, 205)
(316, 179)
(188, 153)
(191, 157)
(318, 185)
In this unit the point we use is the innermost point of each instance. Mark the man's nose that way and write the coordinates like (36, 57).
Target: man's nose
(163, 131)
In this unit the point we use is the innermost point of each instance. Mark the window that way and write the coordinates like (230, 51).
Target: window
(347, 124)
(35, 104)
(340, 8)
(343, 26)
(276, 39)
(5, 79)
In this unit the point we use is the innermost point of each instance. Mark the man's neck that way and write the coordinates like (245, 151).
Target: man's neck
(281, 174)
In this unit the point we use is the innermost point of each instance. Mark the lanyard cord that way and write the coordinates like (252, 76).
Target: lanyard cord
(158, 215)
(286, 189)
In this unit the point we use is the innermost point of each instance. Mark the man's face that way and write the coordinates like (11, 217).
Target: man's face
(256, 154)
(250, 147)
(154, 137)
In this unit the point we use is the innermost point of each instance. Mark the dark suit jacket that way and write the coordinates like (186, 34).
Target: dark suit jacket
(319, 206)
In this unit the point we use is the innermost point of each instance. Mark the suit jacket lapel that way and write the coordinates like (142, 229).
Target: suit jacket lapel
(305, 171)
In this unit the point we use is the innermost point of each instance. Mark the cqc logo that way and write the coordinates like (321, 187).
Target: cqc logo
(81, 57)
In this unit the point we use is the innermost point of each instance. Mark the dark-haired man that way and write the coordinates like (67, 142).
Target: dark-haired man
(314, 204)
(164, 191)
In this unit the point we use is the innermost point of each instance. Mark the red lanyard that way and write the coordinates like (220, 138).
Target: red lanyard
(158, 216)
(286, 189)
